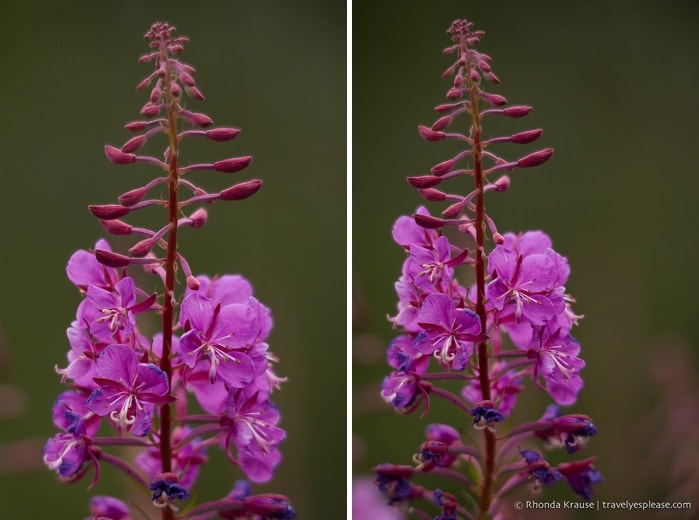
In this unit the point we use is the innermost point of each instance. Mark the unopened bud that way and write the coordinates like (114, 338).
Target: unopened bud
(116, 227)
(502, 184)
(498, 239)
(117, 156)
(491, 78)
(443, 167)
(175, 89)
(432, 195)
(454, 93)
(111, 259)
(108, 211)
(200, 119)
(517, 111)
(536, 158)
(424, 181)
(137, 126)
(132, 197)
(142, 248)
(198, 218)
(441, 123)
(194, 93)
(527, 136)
(430, 135)
(155, 95)
(134, 144)
(186, 79)
(454, 210)
(241, 191)
(222, 134)
(150, 109)
(232, 165)
(192, 283)
(428, 221)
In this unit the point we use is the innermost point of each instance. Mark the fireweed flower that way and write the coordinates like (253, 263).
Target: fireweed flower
(473, 340)
(131, 388)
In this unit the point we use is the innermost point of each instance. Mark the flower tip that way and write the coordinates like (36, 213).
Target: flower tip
(430, 135)
(108, 211)
(192, 283)
(424, 181)
(118, 156)
(517, 111)
(132, 197)
(428, 221)
(222, 134)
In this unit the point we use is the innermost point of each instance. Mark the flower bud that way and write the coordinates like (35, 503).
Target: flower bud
(116, 227)
(424, 181)
(517, 111)
(536, 158)
(198, 218)
(108, 211)
(527, 136)
(111, 259)
(441, 123)
(117, 156)
(428, 221)
(222, 134)
(137, 126)
(232, 165)
(134, 144)
(132, 197)
(150, 109)
(454, 210)
(443, 167)
(186, 79)
(199, 119)
(432, 195)
(241, 191)
(430, 135)
(194, 93)
(142, 248)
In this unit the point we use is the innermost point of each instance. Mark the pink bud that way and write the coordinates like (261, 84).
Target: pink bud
(222, 134)
(117, 156)
(492, 78)
(200, 119)
(175, 89)
(517, 111)
(194, 93)
(192, 283)
(150, 109)
(443, 167)
(199, 218)
(241, 191)
(454, 93)
(186, 79)
(111, 259)
(108, 211)
(441, 123)
(137, 126)
(233, 165)
(502, 184)
(155, 95)
(134, 144)
(142, 248)
(116, 227)
(483, 65)
(498, 239)
(536, 158)
(446, 107)
(428, 221)
(454, 210)
(132, 197)
(474, 75)
(424, 181)
(494, 99)
(432, 195)
(430, 135)
(143, 84)
(146, 58)
(527, 136)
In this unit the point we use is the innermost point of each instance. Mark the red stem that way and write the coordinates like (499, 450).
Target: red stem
(169, 296)
(483, 358)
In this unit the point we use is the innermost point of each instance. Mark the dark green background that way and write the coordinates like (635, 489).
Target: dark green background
(614, 86)
(277, 70)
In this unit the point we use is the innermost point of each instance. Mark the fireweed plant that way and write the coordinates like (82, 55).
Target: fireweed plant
(137, 388)
(511, 321)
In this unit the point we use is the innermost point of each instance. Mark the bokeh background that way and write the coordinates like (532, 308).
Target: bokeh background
(277, 70)
(614, 86)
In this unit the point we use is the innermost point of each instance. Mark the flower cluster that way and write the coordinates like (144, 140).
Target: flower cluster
(511, 320)
(212, 345)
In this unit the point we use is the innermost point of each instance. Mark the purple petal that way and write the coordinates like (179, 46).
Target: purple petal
(118, 363)
(151, 380)
(436, 309)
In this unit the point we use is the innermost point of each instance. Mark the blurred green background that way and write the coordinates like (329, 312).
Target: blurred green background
(614, 86)
(277, 70)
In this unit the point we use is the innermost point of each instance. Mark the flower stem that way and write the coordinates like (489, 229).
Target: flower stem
(483, 366)
(170, 275)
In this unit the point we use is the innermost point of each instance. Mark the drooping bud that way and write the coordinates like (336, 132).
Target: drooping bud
(232, 165)
(142, 248)
(441, 123)
(116, 227)
(454, 210)
(199, 218)
(443, 167)
(150, 109)
(117, 156)
(242, 190)
(432, 195)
